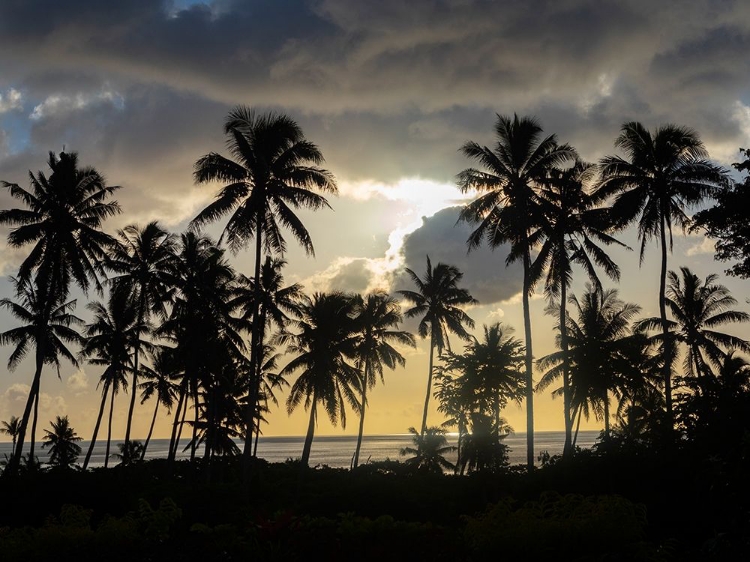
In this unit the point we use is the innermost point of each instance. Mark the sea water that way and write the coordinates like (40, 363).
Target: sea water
(329, 450)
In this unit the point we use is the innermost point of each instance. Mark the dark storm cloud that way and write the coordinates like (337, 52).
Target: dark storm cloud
(387, 89)
(485, 275)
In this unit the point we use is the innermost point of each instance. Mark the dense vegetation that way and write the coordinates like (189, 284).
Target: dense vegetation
(179, 327)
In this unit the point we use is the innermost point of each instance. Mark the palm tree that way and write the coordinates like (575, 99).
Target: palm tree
(109, 342)
(11, 428)
(201, 326)
(326, 338)
(664, 174)
(430, 448)
(574, 228)
(63, 221)
(62, 441)
(376, 314)
(508, 210)
(159, 383)
(698, 308)
(599, 353)
(273, 172)
(47, 327)
(479, 383)
(437, 300)
(483, 449)
(277, 303)
(145, 264)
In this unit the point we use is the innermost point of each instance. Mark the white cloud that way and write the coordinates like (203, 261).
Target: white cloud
(59, 104)
(497, 313)
(78, 382)
(706, 246)
(12, 100)
(16, 393)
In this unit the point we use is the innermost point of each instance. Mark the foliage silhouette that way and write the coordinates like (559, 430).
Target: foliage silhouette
(664, 174)
(437, 301)
(273, 172)
(507, 210)
(62, 442)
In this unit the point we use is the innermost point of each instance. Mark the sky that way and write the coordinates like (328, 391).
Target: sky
(389, 91)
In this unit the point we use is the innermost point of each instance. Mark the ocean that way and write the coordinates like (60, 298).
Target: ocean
(336, 451)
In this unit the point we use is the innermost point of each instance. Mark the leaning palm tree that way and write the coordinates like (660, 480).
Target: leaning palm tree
(663, 174)
(599, 353)
(428, 453)
(698, 309)
(507, 210)
(47, 328)
(144, 261)
(109, 339)
(574, 229)
(437, 300)
(62, 442)
(324, 343)
(377, 314)
(273, 171)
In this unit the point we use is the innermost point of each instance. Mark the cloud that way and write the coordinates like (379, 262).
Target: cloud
(78, 382)
(10, 101)
(60, 104)
(485, 274)
(17, 393)
(706, 246)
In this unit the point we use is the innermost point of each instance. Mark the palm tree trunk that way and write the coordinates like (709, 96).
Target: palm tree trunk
(182, 423)
(578, 426)
(529, 358)
(150, 429)
(254, 351)
(606, 415)
(667, 368)
(174, 439)
(194, 440)
(15, 459)
(96, 427)
(362, 414)
(429, 380)
(141, 313)
(310, 431)
(109, 427)
(32, 441)
(567, 448)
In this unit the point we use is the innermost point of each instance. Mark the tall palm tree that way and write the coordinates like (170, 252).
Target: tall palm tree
(62, 442)
(109, 343)
(663, 175)
(63, 220)
(144, 261)
(698, 309)
(437, 300)
(507, 211)
(273, 172)
(599, 353)
(574, 229)
(11, 428)
(377, 314)
(324, 342)
(48, 325)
